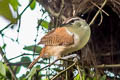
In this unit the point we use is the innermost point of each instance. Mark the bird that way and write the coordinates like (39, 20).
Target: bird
(71, 36)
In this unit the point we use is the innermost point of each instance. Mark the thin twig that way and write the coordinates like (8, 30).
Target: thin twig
(117, 2)
(17, 18)
(38, 26)
(97, 13)
(62, 6)
(108, 54)
(53, 63)
(5, 27)
(7, 62)
(108, 66)
(64, 70)
(18, 63)
(18, 30)
(57, 14)
(48, 65)
(101, 19)
(99, 8)
(22, 63)
(66, 76)
(78, 68)
(51, 11)
(25, 8)
(21, 55)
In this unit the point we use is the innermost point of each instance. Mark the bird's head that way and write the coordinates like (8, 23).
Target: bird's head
(80, 29)
(77, 22)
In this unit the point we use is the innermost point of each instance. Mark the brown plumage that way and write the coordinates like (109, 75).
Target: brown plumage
(63, 40)
(57, 37)
(53, 40)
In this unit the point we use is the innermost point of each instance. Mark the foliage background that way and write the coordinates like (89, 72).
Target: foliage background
(99, 59)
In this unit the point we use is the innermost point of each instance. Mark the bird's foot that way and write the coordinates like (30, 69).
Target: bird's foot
(71, 56)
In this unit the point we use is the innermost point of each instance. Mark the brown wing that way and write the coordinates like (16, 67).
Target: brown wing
(59, 36)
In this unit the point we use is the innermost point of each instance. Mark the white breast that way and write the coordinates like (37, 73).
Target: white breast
(70, 33)
(76, 38)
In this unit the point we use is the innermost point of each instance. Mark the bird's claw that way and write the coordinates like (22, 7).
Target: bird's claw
(71, 56)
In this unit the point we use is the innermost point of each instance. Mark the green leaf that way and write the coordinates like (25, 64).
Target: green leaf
(18, 69)
(88, 78)
(33, 4)
(77, 77)
(43, 23)
(4, 46)
(2, 69)
(84, 75)
(5, 11)
(32, 72)
(37, 49)
(95, 78)
(25, 59)
(8, 74)
(38, 66)
(15, 4)
(103, 77)
(22, 78)
(45, 79)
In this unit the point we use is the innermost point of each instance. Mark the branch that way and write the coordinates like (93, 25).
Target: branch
(108, 66)
(17, 18)
(101, 19)
(7, 62)
(25, 8)
(22, 63)
(51, 11)
(97, 13)
(53, 63)
(18, 63)
(108, 54)
(61, 8)
(117, 2)
(21, 55)
(5, 28)
(100, 8)
(64, 70)
(18, 30)
(57, 14)
(79, 72)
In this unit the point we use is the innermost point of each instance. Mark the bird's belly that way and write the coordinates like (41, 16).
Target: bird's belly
(70, 50)
(58, 51)
(53, 51)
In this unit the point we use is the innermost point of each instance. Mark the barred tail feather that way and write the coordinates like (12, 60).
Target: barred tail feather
(35, 61)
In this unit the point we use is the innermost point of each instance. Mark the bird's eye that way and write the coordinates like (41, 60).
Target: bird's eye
(71, 21)
(79, 24)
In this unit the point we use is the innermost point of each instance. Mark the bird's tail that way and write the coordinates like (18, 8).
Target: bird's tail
(35, 61)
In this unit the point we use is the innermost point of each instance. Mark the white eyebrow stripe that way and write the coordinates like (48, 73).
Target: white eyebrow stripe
(76, 18)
